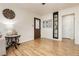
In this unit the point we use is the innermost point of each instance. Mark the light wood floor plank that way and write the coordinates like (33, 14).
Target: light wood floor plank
(45, 47)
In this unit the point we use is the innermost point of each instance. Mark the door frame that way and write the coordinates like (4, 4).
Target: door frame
(74, 24)
(35, 18)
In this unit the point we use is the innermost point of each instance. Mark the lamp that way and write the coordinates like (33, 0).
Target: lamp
(10, 27)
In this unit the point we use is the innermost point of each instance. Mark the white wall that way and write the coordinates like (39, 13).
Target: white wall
(24, 21)
(68, 26)
(47, 32)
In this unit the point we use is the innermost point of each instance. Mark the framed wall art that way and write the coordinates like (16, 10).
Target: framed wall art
(47, 23)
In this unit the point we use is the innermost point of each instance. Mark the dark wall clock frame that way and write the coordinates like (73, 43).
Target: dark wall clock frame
(55, 25)
(9, 14)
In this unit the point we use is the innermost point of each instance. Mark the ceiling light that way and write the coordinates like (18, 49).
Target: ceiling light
(43, 3)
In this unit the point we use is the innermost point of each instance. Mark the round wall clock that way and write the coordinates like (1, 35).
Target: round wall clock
(9, 14)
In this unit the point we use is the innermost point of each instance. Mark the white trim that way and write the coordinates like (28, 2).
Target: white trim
(58, 39)
(53, 39)
(76, 42)
(25, 40)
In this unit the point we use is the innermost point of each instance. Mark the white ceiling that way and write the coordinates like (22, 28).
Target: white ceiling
(43, 9)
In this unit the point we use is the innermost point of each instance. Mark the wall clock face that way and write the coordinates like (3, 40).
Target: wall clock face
(9, 14)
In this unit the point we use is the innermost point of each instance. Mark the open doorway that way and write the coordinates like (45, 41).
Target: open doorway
(68, 27)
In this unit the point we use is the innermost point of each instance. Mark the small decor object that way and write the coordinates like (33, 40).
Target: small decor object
(11, 32)
(9, 14)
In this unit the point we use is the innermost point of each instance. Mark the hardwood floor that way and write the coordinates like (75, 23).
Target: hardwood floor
(45, 47)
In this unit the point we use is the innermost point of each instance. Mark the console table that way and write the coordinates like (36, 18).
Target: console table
(12, 40)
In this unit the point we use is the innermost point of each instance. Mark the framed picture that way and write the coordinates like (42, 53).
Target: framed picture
(44, 24)
(47, 23)
(50, 23)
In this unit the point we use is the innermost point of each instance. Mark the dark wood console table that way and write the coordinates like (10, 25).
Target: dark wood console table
(12, 40)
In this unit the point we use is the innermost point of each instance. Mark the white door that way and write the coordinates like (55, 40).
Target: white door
(68, 27)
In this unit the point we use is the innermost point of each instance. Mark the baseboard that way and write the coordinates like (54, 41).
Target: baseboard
(4, 55)
(77, 42)
(53, 39)
(26, 40)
